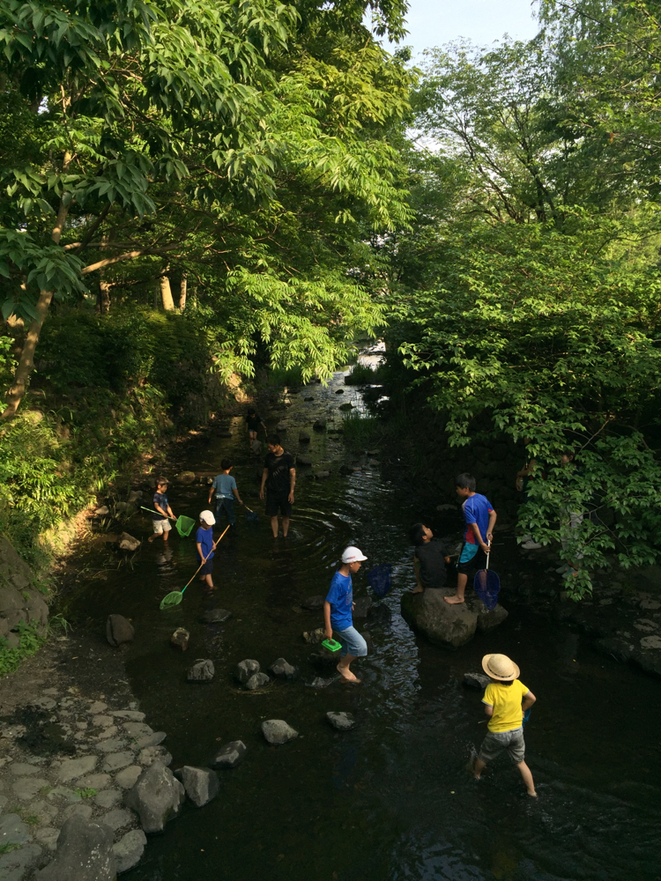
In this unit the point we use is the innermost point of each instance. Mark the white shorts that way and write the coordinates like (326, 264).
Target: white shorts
(161, 526)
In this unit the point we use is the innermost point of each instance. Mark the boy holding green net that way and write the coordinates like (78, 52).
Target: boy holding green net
(162, 511)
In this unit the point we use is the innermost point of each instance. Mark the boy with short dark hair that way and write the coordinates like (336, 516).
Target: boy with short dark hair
(204, 545)
(338, 613)
(163, 511)
(505, 700)
(480, 518)
(225, 489)
(429, 559)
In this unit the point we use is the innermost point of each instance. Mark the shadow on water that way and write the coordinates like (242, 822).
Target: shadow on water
(391, 799)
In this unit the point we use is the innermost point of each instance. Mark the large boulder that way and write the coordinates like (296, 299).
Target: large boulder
(156, 797)
(84, 852)
(201, 784)
(449, 626)
(119, 630)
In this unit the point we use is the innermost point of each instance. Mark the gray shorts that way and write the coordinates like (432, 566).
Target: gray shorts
(497, 741)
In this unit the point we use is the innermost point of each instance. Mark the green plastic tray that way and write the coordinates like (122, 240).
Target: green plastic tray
(332, 645)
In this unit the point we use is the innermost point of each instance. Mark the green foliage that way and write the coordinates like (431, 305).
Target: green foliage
(361, 431)
(32, 638)
(362, 374)
(86, 792)
(9, 846)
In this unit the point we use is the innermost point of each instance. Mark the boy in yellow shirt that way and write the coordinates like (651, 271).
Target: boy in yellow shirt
(505, 701)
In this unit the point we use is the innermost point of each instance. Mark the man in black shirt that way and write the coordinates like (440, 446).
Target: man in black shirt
(279, 477)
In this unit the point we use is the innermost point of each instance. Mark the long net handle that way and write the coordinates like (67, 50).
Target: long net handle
(213, 548)
(486, 568)
(151, 510)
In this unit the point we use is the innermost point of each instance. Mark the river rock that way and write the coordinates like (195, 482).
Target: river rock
(134, 496)
(341, 721)
(201, 784)
(129, 849)
(322, 475)
(36, 607)
(201, 671)
(185, 477)
(256, 447)
(156, 797)
(277, 731)
(257, 680)
(478, 681)
(103, 511)
(13, 830)
(246, 669)
(128, 543)
(72, 769)
(303, 460)
(319, 425)
(442, 624)
(486, 620)
(119, 630)
(10, 601)
(282, 670)
(215, 616)
(230, 755)
(313, 604)
(180, 638)
(303, 437)
(127, 778)
(339, 391)
(312, 637)
(84, 853)
(346, 407)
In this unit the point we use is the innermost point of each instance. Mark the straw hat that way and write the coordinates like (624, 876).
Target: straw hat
(500, 667)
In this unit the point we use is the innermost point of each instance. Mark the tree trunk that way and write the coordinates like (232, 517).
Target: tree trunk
(103, 297)
(183, 290)
(26, 361)
(166, 292)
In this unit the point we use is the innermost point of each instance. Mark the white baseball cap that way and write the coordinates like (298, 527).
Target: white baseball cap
(208, 518)
(353, 555)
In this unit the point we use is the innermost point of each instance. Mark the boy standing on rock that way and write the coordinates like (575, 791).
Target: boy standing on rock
(279, 477)
(480, 520)
(429, 559)
(338, 608)
(505, 700)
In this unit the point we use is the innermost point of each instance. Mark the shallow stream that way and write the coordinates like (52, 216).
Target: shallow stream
(390, 799)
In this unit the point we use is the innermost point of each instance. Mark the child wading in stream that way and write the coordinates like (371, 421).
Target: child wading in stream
(204, 543)
(338, 608)
(162, 510)
(480, 520)
(505, 701)
(225, 489)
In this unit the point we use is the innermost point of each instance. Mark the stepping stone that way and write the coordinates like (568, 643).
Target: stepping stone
(137, 729)
(28, 788)
(97, 707)
(341, 721)
(79, 810)
(71, 769)
(108, 798)
(127, 778)
(277, 731)
(22, 769)
(129, 849)
(151, 739)
(102, 721)
(117, 761)
(117, 818)
(129, 715)
(230, 755)
(113, 745)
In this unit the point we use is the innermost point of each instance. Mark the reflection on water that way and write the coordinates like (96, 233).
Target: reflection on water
(390, 799)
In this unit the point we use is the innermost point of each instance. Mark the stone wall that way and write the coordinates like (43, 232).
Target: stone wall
(20, 601)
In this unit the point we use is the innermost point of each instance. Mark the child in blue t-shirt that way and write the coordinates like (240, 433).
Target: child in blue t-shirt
(162, 511)
(204, 544)
(338, 609)
(225, 489)
(480, 520)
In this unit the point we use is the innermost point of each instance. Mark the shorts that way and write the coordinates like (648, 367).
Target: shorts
(161, 526)
(352, 643)
(497, 741)
(275, 500)
(472, 564)
(207, 568)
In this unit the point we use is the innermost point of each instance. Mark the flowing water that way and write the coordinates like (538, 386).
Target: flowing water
(390, 799)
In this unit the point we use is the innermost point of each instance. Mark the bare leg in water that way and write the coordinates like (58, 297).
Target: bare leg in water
(524, 770)
(344, 671)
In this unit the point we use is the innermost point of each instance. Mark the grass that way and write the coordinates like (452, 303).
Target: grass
(86, 792)
(363, 375)
(32, 638)
(362, 431)
(11, 845)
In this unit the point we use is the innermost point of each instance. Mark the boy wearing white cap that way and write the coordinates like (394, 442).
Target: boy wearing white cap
(505, 701)
(338, 608)
(205, 551)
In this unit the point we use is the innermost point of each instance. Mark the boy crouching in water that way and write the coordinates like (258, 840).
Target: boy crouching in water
(338, 609)
(505, 700)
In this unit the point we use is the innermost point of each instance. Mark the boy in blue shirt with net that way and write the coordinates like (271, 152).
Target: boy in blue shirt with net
(338, 609)
(480, 520)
